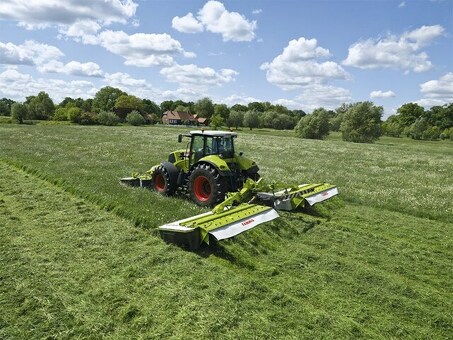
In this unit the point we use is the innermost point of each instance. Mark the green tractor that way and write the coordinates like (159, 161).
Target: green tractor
(211, 172)
(206, 169)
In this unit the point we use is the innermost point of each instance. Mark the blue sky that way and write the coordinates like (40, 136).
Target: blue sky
(301, 54)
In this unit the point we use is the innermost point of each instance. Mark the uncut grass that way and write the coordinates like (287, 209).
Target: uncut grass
(69, 269)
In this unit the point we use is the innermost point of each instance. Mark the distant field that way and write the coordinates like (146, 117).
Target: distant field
(80, 256)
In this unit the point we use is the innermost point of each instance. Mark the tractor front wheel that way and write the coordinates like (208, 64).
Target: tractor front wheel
(162, 182)
(206, 187)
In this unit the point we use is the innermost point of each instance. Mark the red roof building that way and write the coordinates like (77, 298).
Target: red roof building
(178, 118)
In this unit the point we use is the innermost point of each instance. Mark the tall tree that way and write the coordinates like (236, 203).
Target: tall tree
(216, 121)
(40, 106)
(4, 109)
(314, 126)
(66, 101)
(19, 112)
(151, 107)
(239, 107)
(441, 116)
(125, 104)
(409, 113)
(87, 105)
(167, 105)
(251, 119)
(222, 110)
(392, 127)
(204, 108)
(257, 106)
(362, 123)
(5, 106)
(235, 119)
(105, 98)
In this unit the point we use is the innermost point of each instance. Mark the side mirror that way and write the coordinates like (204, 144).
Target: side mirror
(179, 138)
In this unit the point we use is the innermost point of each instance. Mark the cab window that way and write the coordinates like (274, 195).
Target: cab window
(197, 147)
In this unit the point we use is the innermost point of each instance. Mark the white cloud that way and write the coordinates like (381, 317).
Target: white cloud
(29, 53)
(124, 80)
(437, 92)
(82, 31)
(289, 103)
(328, 97)
(312, 97)
(297, 66)
(402, 4)
(17, 86)
(143, 49)
(238, 99)
(183, 93)
(382, 94)
(215, 18)
(70, 16)
(403, 52)
(45, 58)
(137, 87)
(197, 76)
(75, 68)
(257, 11)
(423, 36)
(231, 25)
(187, 24)
(11, 54)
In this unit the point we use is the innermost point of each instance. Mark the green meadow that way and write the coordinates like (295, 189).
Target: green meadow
(80, 255)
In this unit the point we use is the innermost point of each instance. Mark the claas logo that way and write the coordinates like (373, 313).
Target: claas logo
(248, 222)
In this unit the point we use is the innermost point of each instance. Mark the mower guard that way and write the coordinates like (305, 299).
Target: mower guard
(228, 223)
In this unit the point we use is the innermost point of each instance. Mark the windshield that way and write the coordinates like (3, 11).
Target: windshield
(220, 145)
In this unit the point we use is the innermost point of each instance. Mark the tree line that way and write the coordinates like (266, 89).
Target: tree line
(358, 122)
(362, 122)
(111, 106)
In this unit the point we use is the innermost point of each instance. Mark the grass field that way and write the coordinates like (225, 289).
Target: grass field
(80, 255)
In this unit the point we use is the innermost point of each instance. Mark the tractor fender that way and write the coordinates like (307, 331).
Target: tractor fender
(172, 170)
(225, 172)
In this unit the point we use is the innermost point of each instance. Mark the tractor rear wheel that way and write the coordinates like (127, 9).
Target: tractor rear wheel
(162, 181)
(206, 187)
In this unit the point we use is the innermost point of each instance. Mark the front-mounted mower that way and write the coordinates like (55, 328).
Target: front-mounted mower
(213, 175)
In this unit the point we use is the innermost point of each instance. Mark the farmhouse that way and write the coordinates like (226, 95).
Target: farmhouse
(182, 117)
(178, 118)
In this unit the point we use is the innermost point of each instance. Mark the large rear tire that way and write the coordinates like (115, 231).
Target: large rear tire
(163, 183)
(206, 187)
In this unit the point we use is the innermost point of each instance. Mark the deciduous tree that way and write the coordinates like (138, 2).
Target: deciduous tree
(251, 119)
(19, 112)
(40, 107)
(204, 108)
(409, 113)
(125, 104)
(105, 98)
(235, 119)
(362, 123)
(314, 126)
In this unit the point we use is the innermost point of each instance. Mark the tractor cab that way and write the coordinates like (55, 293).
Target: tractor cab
(206, 143)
